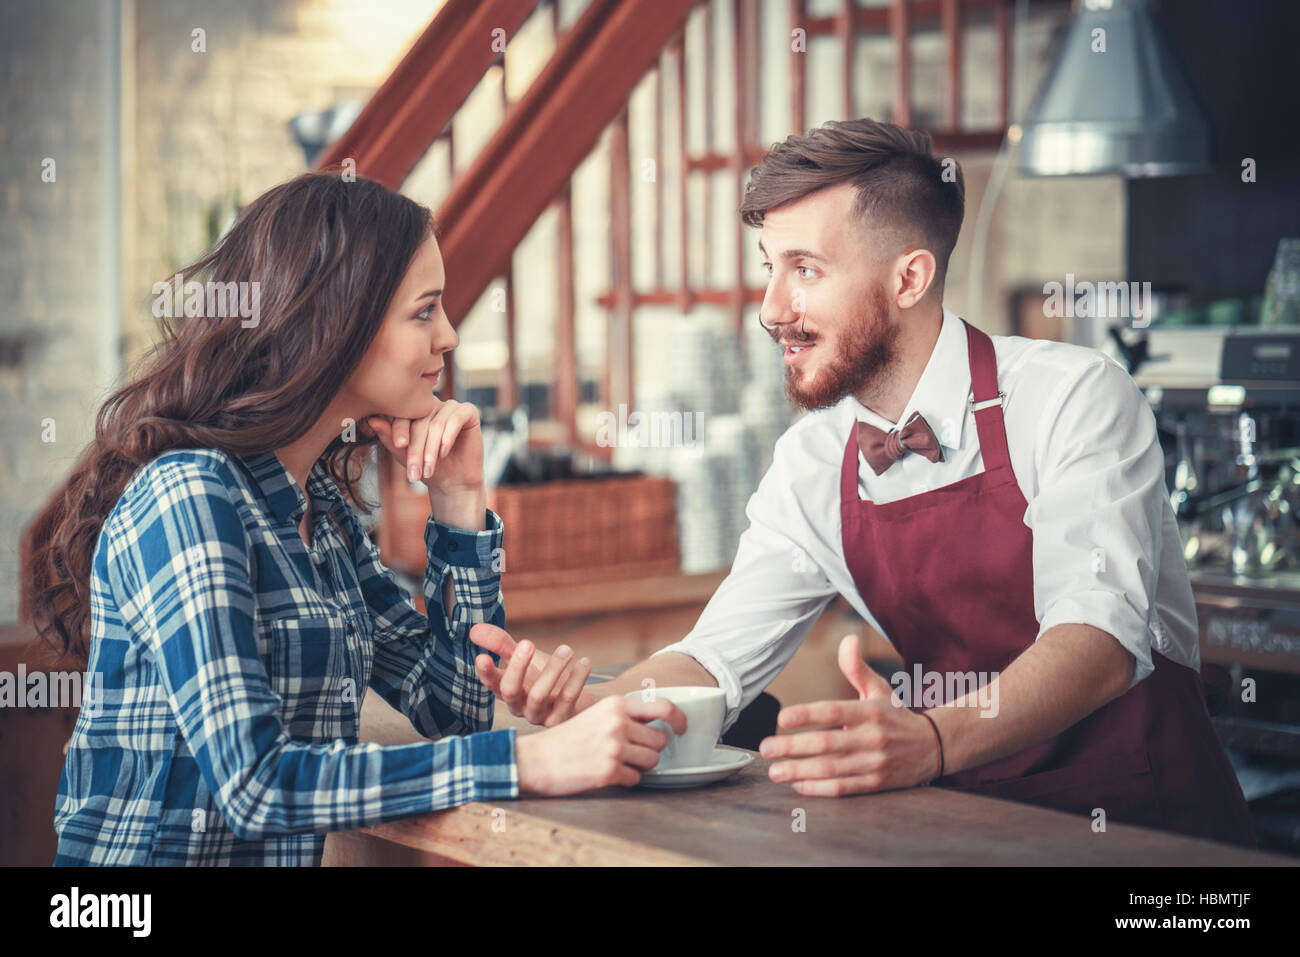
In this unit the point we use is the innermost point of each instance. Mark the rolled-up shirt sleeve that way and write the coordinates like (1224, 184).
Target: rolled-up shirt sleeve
(767, 604)
(1098, 512)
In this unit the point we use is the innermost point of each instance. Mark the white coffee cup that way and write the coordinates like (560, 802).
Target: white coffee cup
(705, 710)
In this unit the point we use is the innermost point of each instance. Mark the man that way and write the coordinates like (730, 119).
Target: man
(995, 506)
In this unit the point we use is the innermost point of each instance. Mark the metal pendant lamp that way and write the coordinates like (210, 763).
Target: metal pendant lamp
(1115, 101)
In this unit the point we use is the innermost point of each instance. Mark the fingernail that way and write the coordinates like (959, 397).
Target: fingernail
(584, 661)
(563, 651)
(414, 472)
(428, 470)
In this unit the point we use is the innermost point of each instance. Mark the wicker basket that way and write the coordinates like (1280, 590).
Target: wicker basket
(562, 533)
(569, 532)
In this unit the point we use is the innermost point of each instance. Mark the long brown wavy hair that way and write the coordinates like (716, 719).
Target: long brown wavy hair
(328, 252)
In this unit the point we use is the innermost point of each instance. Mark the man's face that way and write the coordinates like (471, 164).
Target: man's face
(825, 278)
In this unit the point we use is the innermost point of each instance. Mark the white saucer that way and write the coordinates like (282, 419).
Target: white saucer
(723, 763)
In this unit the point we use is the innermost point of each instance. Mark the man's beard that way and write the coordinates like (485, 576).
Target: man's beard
(863, 352)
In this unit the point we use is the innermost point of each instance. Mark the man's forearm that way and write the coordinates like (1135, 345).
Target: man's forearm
(667, 671)
(1068, 673)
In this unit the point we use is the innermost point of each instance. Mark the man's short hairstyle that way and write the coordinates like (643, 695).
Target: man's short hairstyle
(903, 194)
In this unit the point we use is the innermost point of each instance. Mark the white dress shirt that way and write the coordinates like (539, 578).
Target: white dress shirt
(1084, 450)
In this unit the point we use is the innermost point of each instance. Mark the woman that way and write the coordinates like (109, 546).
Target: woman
(237, 610)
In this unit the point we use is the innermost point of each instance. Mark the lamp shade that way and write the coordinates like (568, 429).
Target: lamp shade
(1115, 101)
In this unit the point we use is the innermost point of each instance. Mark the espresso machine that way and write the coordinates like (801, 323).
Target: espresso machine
(1227, 406)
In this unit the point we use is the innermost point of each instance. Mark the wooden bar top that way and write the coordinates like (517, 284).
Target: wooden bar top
(750, 820)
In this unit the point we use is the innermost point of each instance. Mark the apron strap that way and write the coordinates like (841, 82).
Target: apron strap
(984, 385)
(849, 469)
(988, 420)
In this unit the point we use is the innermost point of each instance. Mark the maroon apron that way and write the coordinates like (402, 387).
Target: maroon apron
(949, 575)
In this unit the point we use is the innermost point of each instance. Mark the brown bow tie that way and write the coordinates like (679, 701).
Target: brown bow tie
(882, 449)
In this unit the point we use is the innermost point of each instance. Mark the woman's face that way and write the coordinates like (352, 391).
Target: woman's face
(413, 341)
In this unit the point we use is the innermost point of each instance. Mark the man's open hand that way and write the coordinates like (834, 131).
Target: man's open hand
(874, 745)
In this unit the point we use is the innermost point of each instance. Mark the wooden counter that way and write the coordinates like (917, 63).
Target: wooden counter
(749, 820)
(31, 757)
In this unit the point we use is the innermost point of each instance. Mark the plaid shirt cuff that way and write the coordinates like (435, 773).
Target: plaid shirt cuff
(463, 549)
(477, 559)
(490, 771)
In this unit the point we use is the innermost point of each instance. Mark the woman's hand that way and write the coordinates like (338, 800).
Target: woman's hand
(609, 743)
(444, 449)
(532, 684)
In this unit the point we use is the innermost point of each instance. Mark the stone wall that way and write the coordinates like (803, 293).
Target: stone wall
(57, 325)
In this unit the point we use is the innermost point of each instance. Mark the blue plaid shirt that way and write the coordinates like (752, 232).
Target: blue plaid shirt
(233, 662)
